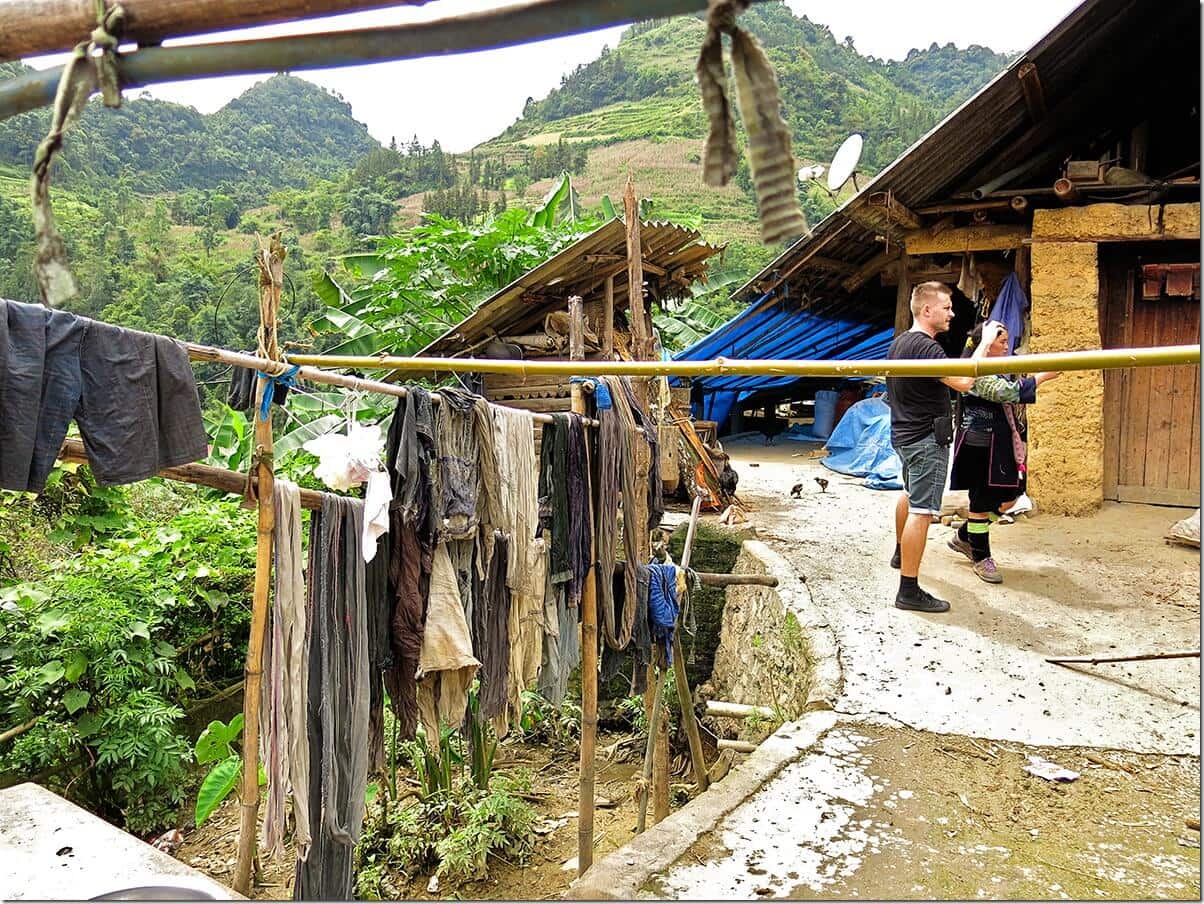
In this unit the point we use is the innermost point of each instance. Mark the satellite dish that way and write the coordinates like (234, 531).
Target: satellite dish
(844, 164)
(807, 173)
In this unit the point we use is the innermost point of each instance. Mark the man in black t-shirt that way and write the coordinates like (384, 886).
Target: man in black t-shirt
(920, 410)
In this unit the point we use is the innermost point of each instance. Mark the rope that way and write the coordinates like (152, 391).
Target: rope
(78, 81)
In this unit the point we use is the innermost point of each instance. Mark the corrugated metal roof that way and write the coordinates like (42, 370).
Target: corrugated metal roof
(1103, 49)
(582, 269)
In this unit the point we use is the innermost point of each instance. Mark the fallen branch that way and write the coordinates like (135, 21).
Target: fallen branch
(1137, 657)
(19, 729)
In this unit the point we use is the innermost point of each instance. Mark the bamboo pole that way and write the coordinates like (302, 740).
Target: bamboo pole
(739, 710)
(271, 279)
(203, 475)
(684, 697)
(317, 375)
(640, 348)
(1139, 657)
(36, 27)
(1096, 359)
(589, 633)
(489, 29)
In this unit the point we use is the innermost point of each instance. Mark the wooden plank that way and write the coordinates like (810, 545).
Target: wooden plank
(1158, 496)
(1161, 411)
(1112, 288)
(1193, 465)
(1034, 94)
(1137, 405)
(608, 319)
(967, 238)
(1184, 401)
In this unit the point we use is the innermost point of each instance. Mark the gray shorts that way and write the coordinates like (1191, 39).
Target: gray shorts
(925, 467)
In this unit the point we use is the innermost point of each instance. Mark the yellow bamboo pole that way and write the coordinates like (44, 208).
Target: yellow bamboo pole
(271, 279)
(1096, 359)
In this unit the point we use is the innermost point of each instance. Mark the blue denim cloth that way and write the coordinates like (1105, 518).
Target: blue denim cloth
(133, 395)
(925, 466)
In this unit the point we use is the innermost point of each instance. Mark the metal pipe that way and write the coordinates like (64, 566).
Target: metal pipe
(488, 30)
(1020, 169)
(1099, 359)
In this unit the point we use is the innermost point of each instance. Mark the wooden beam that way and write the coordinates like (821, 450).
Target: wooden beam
(635, 280)
(36, 27)
(895, 210)
(621, 259)
(831, 264)
(903, 298)
(966, 206)
(967, 238)
(870, 269)
(1034, 94)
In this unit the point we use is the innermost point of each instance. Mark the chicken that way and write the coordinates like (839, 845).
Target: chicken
(796, 491)
(823, 484)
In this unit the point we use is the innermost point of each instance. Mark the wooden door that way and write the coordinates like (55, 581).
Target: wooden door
(1151, 414)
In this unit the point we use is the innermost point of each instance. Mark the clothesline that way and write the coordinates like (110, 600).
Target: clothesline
(317, 375)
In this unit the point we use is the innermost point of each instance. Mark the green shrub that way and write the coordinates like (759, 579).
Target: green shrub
(108, 646)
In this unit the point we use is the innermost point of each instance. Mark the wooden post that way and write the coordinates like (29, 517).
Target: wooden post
(684, 697)
(271, 279)
(641, 350)
(903, 299)
(589, 634)
(608, 320)
(640, 345)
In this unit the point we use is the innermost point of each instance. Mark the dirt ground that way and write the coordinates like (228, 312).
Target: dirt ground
(1098, 585)
(554, 786)
(892, 813)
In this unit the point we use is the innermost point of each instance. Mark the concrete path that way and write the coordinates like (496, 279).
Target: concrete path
(896, 798)
(1102, 585)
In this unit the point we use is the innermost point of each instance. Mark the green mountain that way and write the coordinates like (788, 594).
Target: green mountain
(281, 132)
(636, 108)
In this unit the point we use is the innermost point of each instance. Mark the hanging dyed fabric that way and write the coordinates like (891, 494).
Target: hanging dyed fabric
(338, 700)
(617, 432)
(638, 653)
(380, 649)
(409, 454)
(490, 623)
(446, 665)
(283, 741)
(561, 644)
(458, 443)
(564, 502)
(132, 394)
(526, 562)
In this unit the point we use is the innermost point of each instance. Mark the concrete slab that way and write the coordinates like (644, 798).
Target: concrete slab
(52, 850)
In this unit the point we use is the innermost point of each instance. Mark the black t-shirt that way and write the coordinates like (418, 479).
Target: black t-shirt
(915, 401)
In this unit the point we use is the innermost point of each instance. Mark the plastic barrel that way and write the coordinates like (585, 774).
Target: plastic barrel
(825, 413)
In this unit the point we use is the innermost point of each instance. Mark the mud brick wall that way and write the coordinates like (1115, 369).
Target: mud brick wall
(1066, 426)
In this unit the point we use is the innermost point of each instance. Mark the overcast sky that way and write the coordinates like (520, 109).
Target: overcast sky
(465, 99)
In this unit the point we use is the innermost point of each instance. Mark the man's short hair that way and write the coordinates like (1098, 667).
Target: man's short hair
(928, 293)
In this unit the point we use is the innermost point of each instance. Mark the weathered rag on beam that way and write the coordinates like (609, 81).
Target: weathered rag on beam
(770, 159)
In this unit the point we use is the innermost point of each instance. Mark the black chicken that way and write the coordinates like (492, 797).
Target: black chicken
(823, 484)
(796, 491)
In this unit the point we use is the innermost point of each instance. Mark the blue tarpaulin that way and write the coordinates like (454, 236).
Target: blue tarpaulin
(860, 446)
(780, 330)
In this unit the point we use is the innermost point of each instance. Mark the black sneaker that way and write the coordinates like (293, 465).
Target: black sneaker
(923, 601)
(895, 561)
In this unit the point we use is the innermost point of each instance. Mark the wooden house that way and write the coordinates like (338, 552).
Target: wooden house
(1078, 169)
(529, 319)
